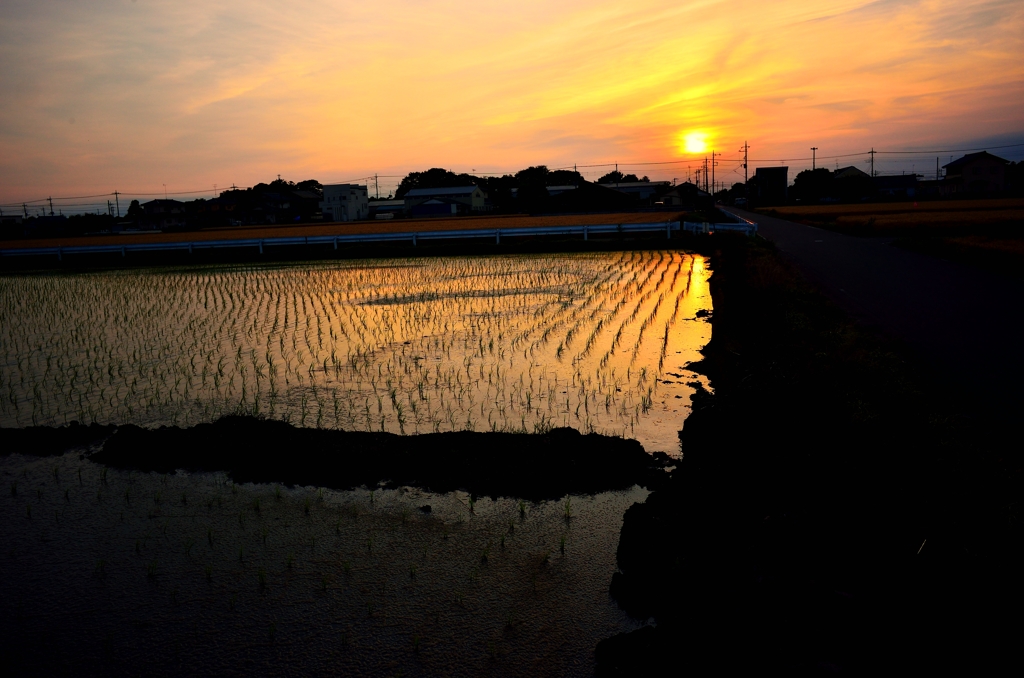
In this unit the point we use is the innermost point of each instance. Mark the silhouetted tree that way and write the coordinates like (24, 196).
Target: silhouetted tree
(813, 185)
(434, 178)
(135, 212)
(617, 177)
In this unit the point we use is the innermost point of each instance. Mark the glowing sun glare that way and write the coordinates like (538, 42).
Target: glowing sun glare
(695, 142)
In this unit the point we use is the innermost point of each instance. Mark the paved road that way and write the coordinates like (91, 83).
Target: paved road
(969, 324)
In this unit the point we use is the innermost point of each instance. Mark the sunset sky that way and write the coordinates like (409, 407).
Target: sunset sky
(133, 95)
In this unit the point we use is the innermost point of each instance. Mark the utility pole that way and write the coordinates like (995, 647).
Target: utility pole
(118, 204)
(713, 163)
(110, 209)
(872, 152)
(814, 156)
(25, 208)
(376, 186)
(745, 148)
(936, 168)
(51, 206)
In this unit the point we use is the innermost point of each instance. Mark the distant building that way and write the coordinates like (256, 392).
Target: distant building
(900, 185)
(438, 207)
(641, 189)
(850, 172)
(386, 209)
(976, 173)
(770, 185)
(552, 190)
(461, 199)
(345, 202)
(165, 214)
(685, 194)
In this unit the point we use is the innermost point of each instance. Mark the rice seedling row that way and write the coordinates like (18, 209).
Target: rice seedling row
(598, 342)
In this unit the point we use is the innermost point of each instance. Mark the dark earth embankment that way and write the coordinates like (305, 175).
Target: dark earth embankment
(536, 466)
(838, 509)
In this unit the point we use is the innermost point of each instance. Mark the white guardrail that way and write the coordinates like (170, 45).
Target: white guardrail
(404, 236)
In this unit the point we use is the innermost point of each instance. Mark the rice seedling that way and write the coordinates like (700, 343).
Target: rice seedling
(290, 560)
(208, 571)
(151, 569)
(261, 577)
(567, 508)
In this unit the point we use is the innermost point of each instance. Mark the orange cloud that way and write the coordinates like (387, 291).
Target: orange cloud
(191, 93)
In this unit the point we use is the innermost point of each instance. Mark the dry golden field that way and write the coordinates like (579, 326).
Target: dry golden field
(985, 233)
(307, 230)
(909, 218)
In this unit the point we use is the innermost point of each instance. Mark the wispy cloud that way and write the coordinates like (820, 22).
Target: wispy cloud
(138, 93)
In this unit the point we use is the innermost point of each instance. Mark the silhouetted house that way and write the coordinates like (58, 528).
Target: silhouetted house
(556, 190)
(306, 204)
(643, 190)
(770, 185)
(552, 190)
(589, 197)
(850, 172)
(466, 198)
(438, 207)
(345, 202)
(976, 173)
(386, 209)
(686, 195)
(897, 186)
(165, 214)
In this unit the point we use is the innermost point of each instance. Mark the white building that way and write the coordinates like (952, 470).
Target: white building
(345, 202)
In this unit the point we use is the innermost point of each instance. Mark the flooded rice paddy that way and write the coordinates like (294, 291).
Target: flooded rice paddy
(108, 572)
(595, 341)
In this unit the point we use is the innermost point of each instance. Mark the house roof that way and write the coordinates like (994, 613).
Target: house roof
(849, 173)
(970, 157)
(629, 184)
(427, 192)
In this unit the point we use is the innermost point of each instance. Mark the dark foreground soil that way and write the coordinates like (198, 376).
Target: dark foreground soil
(838, 510)
(534, 467)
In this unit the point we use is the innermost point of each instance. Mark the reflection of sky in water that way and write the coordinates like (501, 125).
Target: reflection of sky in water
(131, 573)
(593, 341)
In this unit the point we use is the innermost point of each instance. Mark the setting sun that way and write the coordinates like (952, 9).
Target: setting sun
(695, 142)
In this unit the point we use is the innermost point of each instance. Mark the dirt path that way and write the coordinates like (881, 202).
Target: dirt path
(967, 323)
